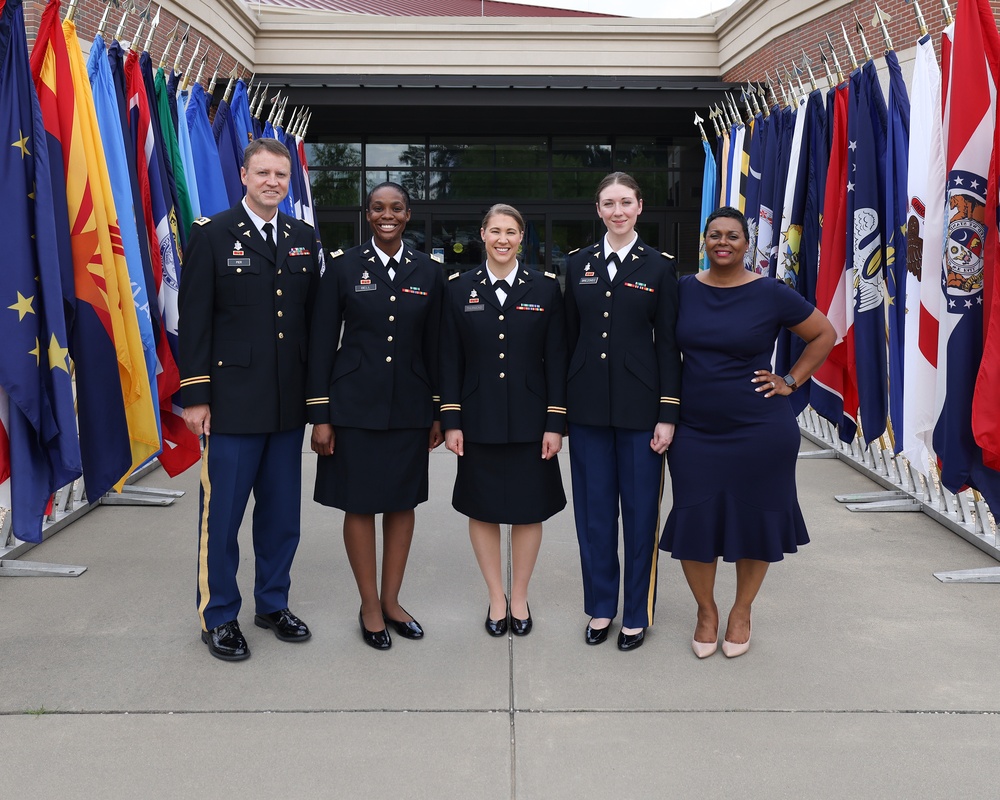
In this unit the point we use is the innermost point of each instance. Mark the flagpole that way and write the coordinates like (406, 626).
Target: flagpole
(920, 18)
(861, 34)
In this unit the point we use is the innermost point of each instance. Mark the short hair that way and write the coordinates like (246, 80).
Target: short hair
(508, 210)
(388, 185)
(728, 212)
(622, 178)
(268, 144)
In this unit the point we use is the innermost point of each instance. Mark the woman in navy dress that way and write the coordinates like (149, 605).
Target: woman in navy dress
(732, 459)
(371, 396)
(503, 409)
(623, 390)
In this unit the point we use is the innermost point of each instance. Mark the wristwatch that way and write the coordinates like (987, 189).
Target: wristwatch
(790, 382)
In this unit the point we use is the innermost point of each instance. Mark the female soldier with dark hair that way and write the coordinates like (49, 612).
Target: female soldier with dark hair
(372, 397)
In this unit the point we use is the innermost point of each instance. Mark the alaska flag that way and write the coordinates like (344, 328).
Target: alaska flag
(709, 194)
(44, 452)
(212, 194)
(896, 202)
(834, 393)
(969, 120)
(865, 204)
(230, 153)
(242, 120)
(295, 182)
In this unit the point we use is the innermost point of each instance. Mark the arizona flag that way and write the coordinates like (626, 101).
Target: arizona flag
(969, 129)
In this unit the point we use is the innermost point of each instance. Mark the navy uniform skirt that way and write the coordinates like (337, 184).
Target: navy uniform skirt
(508, 484)
(374, 472)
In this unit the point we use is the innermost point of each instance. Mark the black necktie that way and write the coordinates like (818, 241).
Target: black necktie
(392, 267)
(613, 264)
(272, 245)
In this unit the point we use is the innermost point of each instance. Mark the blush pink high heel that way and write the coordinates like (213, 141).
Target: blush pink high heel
(732, 650)
(704, 649)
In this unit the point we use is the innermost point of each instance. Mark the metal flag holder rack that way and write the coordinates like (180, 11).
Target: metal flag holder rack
(68, 505)
(905, 489)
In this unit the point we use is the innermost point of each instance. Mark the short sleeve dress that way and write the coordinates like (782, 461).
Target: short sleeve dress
(732, 460)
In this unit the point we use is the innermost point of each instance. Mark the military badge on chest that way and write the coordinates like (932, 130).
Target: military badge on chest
(589, 276)
(474, 303)
(365, 284)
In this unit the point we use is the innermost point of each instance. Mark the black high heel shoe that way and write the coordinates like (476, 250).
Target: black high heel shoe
(497, 627)
(521, 627)
(408, 630)
(380, 640)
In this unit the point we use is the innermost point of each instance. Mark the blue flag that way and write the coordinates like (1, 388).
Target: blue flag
(709, 195)
(230, 153)
(754, 165)
(896, 204)
(782, 156)
(44, 448)
(186, 153)
(242, 119)
(212, 194)
(865, 202)
(762, 234)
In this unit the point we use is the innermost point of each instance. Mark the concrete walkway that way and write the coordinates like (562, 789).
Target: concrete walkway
(867, 678)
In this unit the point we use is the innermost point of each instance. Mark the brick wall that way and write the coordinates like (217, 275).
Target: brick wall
(903, 31)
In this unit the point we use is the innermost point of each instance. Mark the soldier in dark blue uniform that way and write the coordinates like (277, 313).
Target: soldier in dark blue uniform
(372, 396)
(246, 291)
(623, 390)
(503, 408)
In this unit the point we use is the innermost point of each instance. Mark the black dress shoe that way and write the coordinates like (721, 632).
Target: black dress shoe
(226, 642)
(596, 635)
(286, 626)
(497, 627)
(630, 641)
(380, 640)
(521, 627)
(408, 630)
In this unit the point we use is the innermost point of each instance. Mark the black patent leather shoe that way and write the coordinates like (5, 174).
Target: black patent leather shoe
(286, 626)
(597, 635)
(226, 642)
(521, 627)
(497, 627)
(380, 640)
(408, 630)
(631, 641)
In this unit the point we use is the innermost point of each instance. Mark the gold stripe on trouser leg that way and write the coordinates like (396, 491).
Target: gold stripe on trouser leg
(206, 488)
(651, 596)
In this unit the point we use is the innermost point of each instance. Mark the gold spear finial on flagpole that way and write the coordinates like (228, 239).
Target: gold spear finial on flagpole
(850, 50)
(201, 67)
(186, 81)
(121, 26)
(263, 99)
(836, 61)
(170, 43)
(763, 99)
(861, 34)
(946, 10)
(697, 121)
(104, 20)
(826, 66)
(229, 86)
(274, 108)
(921, 23)
(180, 50)
(770, 86)
(878, 21)
(807, 66)
(733, 110)
(215, 75)
(752, 94)
(152, 29)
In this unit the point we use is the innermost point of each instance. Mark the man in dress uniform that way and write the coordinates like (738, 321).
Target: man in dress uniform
(246, 291)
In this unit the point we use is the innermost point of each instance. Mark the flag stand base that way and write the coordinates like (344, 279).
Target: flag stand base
(986, 575)
(36, 569)
(141, 496)
(896, 500)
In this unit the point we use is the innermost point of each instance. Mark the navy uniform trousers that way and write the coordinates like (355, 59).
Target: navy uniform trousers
(610, 465)
(233, 465)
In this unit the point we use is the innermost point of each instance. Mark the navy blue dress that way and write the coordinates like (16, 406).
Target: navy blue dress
(732, 460)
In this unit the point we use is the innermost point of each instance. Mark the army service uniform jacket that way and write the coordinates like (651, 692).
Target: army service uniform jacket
(503, 368)
(383, 372)
(625, 366)
(244, 322)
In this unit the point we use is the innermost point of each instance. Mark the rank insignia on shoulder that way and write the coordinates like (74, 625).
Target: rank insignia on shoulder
(550, 275)
(202, 220)
(338, 254)
(666, 254)
(454, 275)
(573, 251)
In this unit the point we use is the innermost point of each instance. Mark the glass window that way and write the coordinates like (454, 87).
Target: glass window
(335, 188)
(515, 152)
(514, 186)
(395, 155)
(569, 235)
(660, 152)
(338, 155)
(581, 152)
(576, 185)
(337, 235)
(659, 188)
(459, 240)
(411, 180)
(460, 185)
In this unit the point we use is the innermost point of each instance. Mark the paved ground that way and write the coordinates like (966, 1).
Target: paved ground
(867, 678)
